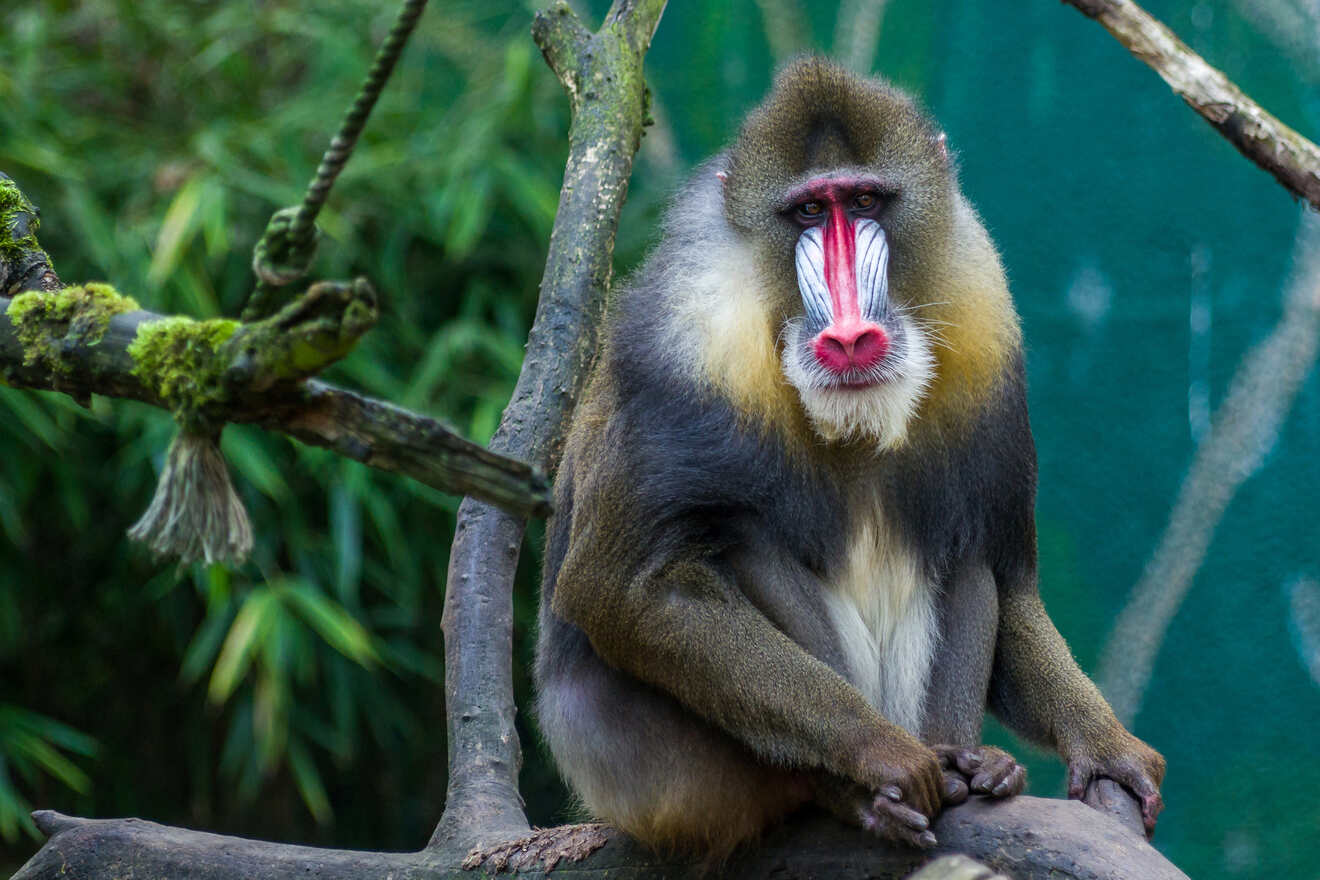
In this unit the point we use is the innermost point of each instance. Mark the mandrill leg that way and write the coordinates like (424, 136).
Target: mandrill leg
(638, 760)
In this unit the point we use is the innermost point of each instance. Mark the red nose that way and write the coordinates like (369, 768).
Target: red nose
(855, 347)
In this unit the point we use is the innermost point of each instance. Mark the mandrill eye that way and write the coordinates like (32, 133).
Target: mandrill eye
(810, 210)
(865, 201)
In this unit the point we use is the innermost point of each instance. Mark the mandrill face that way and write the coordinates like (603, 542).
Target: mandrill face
(851, 210)
(859, 362)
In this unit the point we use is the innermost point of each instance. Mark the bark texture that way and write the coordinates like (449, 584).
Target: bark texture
(1025, 838)
(602, 74)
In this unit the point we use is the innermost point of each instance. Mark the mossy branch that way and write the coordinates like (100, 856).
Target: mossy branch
(1292, 159)
(90, 339)
(23, 264)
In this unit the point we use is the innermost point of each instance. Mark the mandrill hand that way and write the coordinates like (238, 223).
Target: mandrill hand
(1128, 761)
(900, 797)
(982, 770)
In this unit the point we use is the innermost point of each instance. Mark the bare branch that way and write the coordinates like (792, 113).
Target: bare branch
(1292, 159)
(1027, 838)
(857, 31)
(602, 74)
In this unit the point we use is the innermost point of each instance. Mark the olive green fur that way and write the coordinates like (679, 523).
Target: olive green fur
(76, 315)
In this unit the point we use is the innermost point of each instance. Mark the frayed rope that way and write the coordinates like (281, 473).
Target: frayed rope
(195, 513)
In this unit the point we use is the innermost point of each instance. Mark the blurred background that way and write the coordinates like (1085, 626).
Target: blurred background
(1167, 286)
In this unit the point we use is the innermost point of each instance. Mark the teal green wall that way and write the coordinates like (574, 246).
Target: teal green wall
(1094, 179)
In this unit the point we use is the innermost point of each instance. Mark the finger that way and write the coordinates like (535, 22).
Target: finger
(1012, 783)
(900, 816)
(902, 823)
(932, 785)
(969, 761)
(893, 792)
(989, 776)
(1140, 784)
(1078, 778)
(899, 833)
(1137, 780)
(1150, 810)
(955, 789)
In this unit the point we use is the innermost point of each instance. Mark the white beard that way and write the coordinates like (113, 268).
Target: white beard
(880, 411)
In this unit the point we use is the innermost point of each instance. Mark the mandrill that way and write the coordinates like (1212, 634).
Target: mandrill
(794, 553)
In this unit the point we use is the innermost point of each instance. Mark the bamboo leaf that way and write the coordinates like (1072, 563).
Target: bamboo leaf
(250, 627)
(308, 780)
(335, 625)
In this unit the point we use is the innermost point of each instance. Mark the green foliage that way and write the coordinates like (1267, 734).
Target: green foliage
(157, 140)
(31, 744)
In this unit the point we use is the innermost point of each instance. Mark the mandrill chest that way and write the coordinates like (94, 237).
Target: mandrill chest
(881, 605)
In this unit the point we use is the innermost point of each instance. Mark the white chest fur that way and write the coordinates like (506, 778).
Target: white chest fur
(883, 609)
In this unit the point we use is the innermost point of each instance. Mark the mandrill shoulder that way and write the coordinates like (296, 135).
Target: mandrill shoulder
(656, 466)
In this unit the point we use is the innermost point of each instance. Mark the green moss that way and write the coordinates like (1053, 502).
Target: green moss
(313, 331)
(18, 227)
(177, 358)
(48, 323)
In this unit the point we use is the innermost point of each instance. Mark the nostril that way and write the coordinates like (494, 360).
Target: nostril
(835, 347)
(868, 348)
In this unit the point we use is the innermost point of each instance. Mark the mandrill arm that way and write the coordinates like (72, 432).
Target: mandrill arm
(1038, 690)
(683, 626)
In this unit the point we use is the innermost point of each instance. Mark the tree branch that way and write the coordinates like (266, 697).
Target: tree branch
(1292, 159)
(23, 264)
(83, 341)
(602, 74)
(89, 339)
(1246, 427)
(1028, 838)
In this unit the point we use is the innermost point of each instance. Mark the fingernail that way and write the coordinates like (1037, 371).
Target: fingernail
(927, 839)
(1001, 789)
(893, 792)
